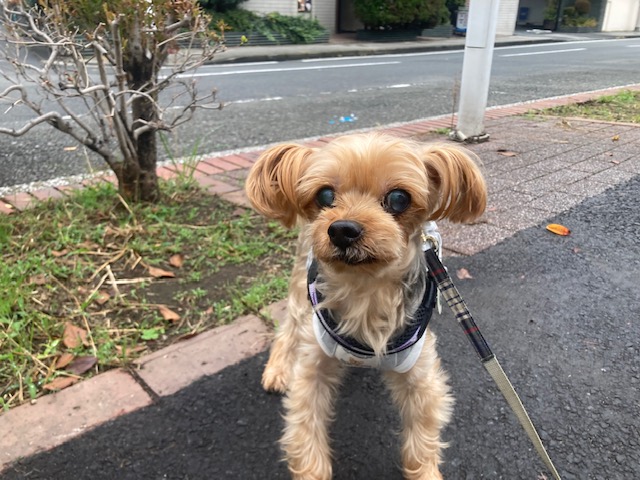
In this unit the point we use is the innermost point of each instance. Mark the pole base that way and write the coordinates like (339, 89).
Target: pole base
(458, 136)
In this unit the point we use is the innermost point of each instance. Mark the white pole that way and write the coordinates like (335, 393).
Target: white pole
(476, 70)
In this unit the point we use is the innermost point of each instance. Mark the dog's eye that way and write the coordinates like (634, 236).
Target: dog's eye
(397, 201)
(325, 197)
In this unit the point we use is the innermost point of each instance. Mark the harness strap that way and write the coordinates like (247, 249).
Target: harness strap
(489, 360)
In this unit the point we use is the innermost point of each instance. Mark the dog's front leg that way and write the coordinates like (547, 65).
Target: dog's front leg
(309, 409)
(422, 396)
(275, 377)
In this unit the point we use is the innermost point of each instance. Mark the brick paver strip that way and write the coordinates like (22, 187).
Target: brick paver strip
(56, 418)
(6, 208)
(20, 200)
(207, 168)
(221, 163)
(177, 366)
(47, 193)
(238, 160)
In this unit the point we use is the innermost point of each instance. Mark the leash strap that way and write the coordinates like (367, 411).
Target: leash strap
(489, 360)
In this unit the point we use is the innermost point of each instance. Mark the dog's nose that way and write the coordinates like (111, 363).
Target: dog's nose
(344, 233)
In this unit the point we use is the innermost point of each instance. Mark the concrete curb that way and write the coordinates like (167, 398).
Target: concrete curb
(56, 418)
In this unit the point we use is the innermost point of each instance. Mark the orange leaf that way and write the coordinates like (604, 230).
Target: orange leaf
(73, 336)
(64, 360)
(463, 274)
(168, 314)
(160, 273)
(558, 229)
(60, 383)
(176, 260)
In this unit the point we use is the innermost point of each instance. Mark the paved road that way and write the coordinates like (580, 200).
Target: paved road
(300, 99)
(560, 312)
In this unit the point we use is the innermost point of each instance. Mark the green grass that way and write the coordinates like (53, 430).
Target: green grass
(621, 107)
(59, 258)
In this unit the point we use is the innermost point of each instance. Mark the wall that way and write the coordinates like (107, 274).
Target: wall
(323, 10)
(507, 15)
(621, 16)
(284, 7)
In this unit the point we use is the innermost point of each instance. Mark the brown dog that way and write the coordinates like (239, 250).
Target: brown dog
(361, 203)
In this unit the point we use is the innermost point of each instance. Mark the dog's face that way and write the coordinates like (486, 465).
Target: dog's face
(365, 196)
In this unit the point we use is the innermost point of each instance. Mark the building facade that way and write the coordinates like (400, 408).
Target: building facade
(338, 15)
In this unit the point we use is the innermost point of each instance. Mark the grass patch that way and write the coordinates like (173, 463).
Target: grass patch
(90, 283)
(621, 107)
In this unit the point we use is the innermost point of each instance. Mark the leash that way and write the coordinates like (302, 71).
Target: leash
(480, 345)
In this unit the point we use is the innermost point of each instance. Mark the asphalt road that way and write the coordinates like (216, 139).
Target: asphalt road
(299, 99)
(560, 312)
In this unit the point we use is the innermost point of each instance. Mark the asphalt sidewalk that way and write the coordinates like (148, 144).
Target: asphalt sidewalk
(538, 170)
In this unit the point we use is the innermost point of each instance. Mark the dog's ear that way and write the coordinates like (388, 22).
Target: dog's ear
(459, 192)
(271, 184)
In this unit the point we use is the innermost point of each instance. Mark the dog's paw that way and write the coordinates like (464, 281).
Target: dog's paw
(274, 380)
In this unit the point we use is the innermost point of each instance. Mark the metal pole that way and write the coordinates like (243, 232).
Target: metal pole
(476, 70)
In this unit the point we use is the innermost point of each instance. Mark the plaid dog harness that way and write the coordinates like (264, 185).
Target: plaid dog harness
(402, 350)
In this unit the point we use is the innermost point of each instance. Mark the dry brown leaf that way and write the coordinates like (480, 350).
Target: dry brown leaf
(60, 383)
(168, 314)
(81, 365)
(160, 273)
(64, 360)
(463, 274)
(39, 279)
(507, 153)
(102, 297)
(136, 349)
(615, 138)
(615, 162)
(558, 229)
(74, 336)
(176, 260)
(60, 253)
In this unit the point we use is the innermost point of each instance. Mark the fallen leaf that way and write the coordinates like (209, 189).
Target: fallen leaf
(81, 365)
(160, 273)
(64, 360)
(74, 336)
(39, 279)
(507, 153)
(615, 162)
(70, 149)
(168, 314)
(615, 138)
(463, 274)
(60, 253)
(176, 260)
(558, 229)
(124, 350)
(576, 250)
(60, 382)
(102, 297)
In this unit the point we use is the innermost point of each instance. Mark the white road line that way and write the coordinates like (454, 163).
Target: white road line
(633, 46)
(283, 69)
(543, 53)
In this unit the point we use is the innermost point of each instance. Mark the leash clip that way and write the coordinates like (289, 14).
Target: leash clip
(431, 239)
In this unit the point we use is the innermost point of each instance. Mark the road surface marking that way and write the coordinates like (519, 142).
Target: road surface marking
(283, 69)
(543, 53)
